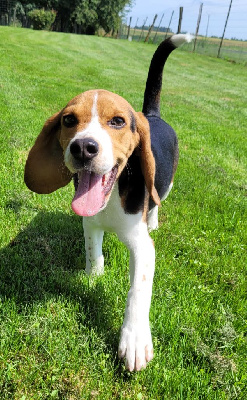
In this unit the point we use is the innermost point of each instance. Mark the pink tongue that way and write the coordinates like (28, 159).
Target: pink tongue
(89, 197)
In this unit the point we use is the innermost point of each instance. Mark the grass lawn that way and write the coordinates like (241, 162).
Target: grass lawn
(59, 329)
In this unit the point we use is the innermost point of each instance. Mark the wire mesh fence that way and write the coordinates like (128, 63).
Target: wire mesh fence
(232, 49)
(12, 13)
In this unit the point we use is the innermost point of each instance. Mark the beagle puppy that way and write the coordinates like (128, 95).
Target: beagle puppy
(123, 164)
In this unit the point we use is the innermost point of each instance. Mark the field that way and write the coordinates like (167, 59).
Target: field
(59, 329)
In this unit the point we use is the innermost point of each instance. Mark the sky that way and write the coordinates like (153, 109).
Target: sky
(214, 13)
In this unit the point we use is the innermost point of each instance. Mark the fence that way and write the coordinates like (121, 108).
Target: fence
(219, 20)
(232, 50)
(12, 13)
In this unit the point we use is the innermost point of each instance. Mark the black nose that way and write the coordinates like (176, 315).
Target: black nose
(84, 149)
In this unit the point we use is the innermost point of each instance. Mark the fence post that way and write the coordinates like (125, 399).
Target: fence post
(135, 28)
(158, 28)
(142, 29)
(224, 28)
(169, 24)
(181, 9)
(198, 24)
(128, 34)
(207, 26)
(150, 28)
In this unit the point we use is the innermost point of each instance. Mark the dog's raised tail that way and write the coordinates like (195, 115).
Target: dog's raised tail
(151, 104)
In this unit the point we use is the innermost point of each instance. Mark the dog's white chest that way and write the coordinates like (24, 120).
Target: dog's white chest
(114, 219)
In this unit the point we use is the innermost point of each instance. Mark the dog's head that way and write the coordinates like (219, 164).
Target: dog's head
(93, 136)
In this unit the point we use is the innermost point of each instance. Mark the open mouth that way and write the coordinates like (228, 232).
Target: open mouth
(92, 192)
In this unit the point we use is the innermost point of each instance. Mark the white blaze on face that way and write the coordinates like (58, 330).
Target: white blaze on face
(94, 108)
(104, 161)
(91, 194)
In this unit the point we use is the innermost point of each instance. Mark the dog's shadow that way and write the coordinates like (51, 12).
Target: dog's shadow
(46, 261)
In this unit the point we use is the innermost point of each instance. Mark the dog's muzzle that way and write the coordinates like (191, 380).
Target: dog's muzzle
(84, 150)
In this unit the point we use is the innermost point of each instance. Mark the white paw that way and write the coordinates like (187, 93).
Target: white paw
(136, 347)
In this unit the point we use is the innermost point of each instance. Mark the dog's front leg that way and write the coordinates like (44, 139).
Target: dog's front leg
(93, 246)
(136, 341)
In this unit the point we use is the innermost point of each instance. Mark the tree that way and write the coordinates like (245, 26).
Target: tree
(109, 13)
(90, 15)
(42, 19)
(85, 14)
(93, 14)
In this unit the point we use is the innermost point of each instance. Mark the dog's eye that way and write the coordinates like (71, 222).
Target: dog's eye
(69, 120)
(116, 122)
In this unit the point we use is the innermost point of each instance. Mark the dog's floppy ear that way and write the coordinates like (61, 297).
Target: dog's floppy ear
(146, 155)
(45, 170)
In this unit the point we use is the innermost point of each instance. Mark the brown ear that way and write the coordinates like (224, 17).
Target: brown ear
(45, 170)
(146, 156)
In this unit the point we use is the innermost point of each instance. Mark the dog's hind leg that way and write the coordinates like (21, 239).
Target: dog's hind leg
(93, 245)
(153, 222)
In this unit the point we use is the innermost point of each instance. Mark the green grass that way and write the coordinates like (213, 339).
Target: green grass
(59, 329)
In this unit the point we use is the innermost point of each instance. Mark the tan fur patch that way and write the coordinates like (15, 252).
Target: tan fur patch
(145, 209)
(81, 107)
(124, 141)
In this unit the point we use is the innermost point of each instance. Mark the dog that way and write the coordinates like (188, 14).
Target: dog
(123, 164)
